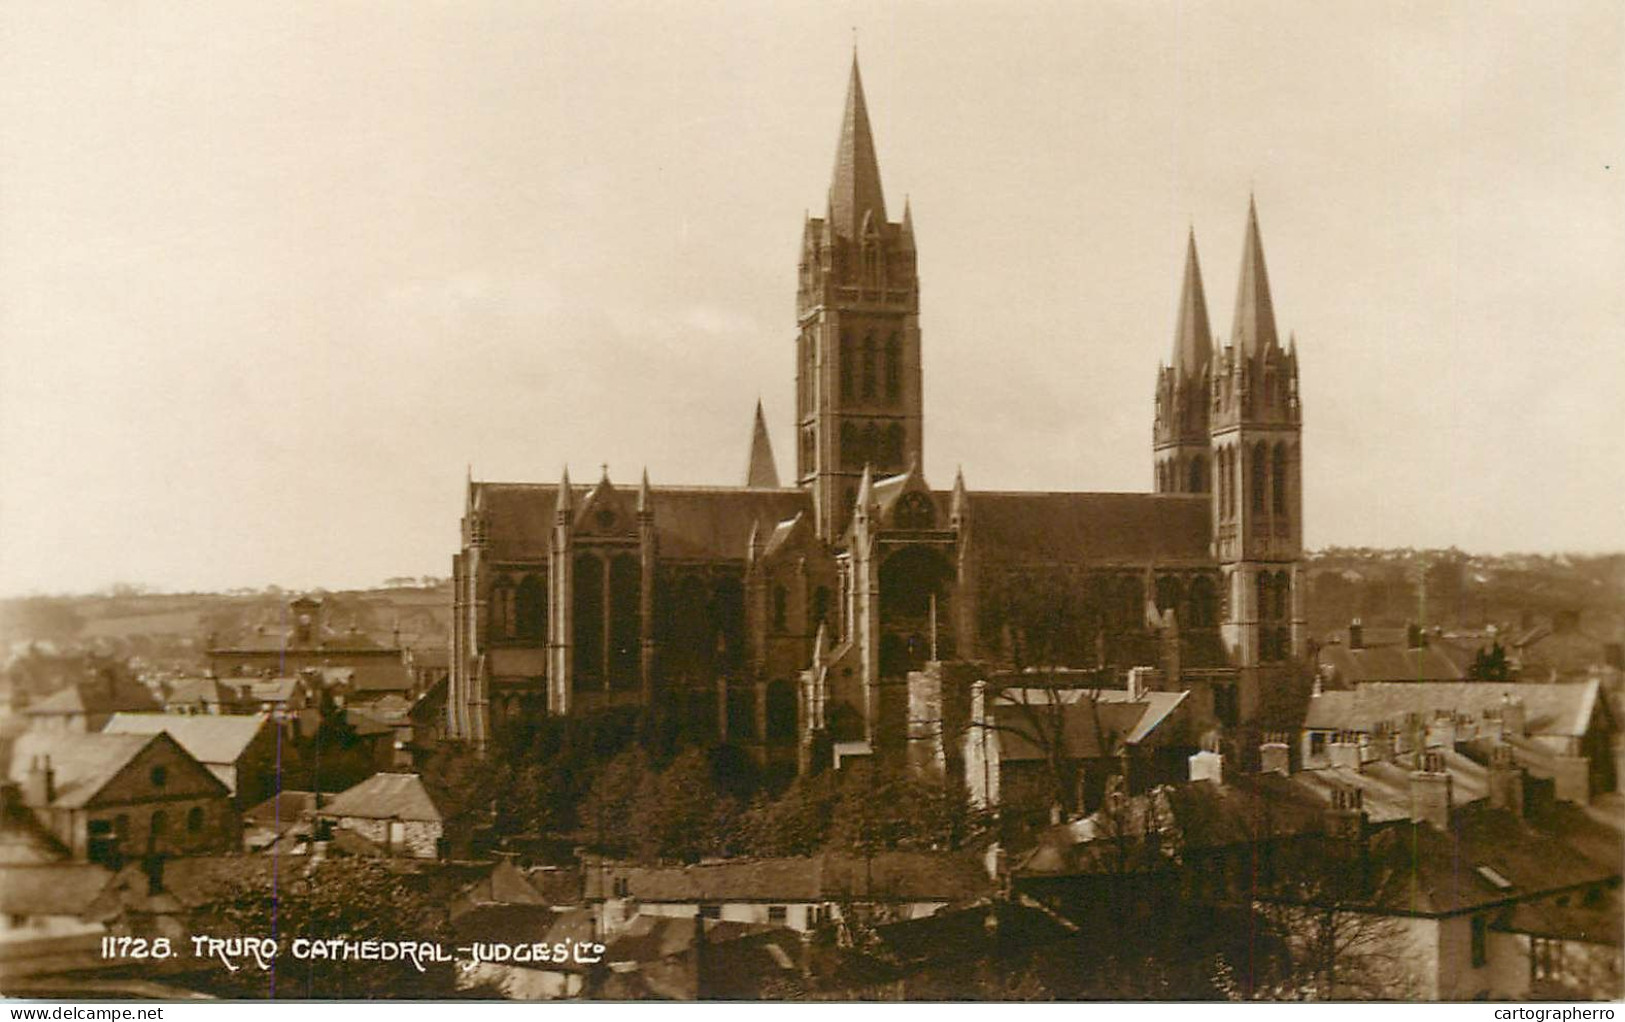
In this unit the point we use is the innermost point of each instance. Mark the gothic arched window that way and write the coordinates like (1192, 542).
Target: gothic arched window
(914, 511)
(894, 370)
(894, 443)
(869, 366)
(850, 455)
(872, 452)
(848, 356)
(1198, 475)
(1260, 474)
(529, 608)
(1279, 496)
(781, 605)
(502, 623)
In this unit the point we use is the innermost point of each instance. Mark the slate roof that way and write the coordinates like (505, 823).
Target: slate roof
(1600, 923)
(94, 697)
(1098, 528)
(1025, 719)
(387, 797)
(200, 692)
(53, 889)
(24, 841)
(83, 763)
(282, 810)
(211, 739)
(1390, 663)
(1562, 710)
(894, 876)
(702, 523)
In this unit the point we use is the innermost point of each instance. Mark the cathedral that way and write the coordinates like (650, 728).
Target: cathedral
(787, 618)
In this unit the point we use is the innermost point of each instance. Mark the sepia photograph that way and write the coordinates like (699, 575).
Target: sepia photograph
(889, 501)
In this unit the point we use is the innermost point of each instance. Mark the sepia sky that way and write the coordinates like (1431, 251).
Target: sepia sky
(272, 274)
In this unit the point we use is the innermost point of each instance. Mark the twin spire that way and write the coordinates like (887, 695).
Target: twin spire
(1254, 329)
(855, 192)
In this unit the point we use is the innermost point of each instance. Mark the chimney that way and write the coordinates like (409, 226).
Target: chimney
(1139, 682)
(1356, 634)
(1274, 755)
(39, 788)
(1208, 765)
(1345, 751)
(1442, 730)
(1346, 820)
(1430, 791)
(1505, 781)
(1513, 721)
(1415, 638)
(1383, 741)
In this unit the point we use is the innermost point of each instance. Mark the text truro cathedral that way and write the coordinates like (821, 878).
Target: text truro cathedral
(786, 619)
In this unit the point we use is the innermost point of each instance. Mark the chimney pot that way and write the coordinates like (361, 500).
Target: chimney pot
(1356, 634)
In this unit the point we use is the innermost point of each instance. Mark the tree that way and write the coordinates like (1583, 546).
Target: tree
(1490, 665)
(354, 899)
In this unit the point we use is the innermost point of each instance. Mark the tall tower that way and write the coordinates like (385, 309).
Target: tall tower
(858, 381)
(1181, 438)
(1258, 497)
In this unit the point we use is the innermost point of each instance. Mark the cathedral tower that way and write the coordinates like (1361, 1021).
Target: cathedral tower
(858, 381)
(1181, 442)
(1258, 493)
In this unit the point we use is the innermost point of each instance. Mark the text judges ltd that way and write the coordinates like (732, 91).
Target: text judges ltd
(234, 952)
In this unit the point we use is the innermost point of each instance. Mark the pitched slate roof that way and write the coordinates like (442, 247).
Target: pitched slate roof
(1098, 528)
(1563, 710)
(94, 697)
(707, 523)
(1390, 663)
(1095, 723)
(211, 739)
(387, 797)
(83, 763)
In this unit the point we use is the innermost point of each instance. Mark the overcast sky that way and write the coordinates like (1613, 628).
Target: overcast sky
(272, 274)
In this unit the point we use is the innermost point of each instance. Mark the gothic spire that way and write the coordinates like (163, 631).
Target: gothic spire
(761, 472)
(646, 500)
(856, 187)
(1193, 340)
(1254, 329)
(566, 501)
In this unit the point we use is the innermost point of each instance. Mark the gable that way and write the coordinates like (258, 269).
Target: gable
(182, 777)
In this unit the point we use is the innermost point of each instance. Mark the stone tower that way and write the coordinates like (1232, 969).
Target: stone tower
(1257, 430)
(1182, 440)
(858, 381)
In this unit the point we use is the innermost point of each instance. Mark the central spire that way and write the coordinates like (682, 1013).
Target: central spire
(855, 190)
(1254, 329)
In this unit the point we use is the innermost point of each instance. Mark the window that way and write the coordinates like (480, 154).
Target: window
(159, 776)
(777, 915)
(1545, 958)
(781, 602)
(194, 819)
(160, 823)
(710, 911)
(869, 367)
(1260, 474)
(848, 355)
(894, 373)
(1279, 492)
(1481, 933)
(623, 887)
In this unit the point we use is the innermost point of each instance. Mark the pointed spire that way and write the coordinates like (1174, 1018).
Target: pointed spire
(866, 491)
(1193, 339)
(760, 472)
(646, 500)
(566, 501)
(1254, 329)
(856, 188)
(906, 232)
(961, 499)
